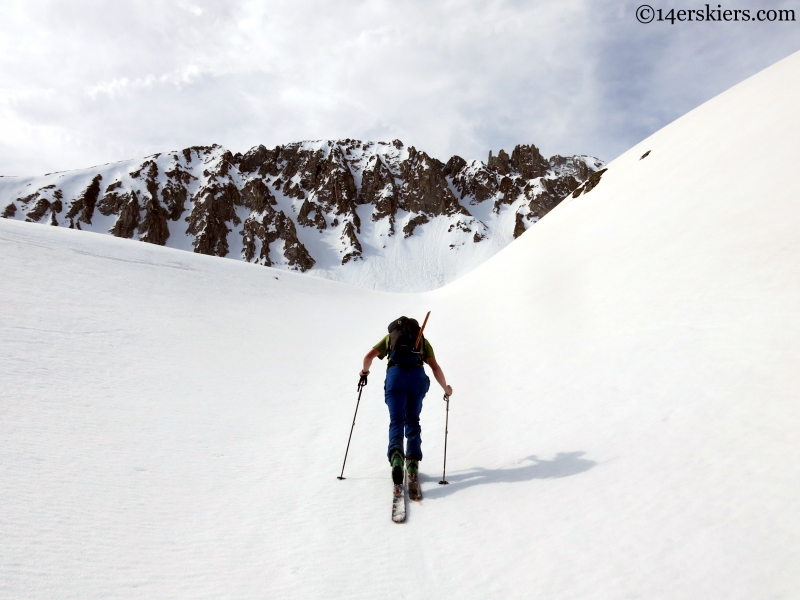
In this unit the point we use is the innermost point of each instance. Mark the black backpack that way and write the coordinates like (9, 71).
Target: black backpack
(403, 334)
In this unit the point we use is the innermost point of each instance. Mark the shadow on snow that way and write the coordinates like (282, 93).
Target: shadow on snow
(564, 464)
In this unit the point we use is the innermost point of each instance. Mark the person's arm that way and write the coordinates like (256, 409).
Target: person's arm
(371, 355)
(439, 375)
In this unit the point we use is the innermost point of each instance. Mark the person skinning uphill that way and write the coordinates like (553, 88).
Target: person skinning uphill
(405, 386)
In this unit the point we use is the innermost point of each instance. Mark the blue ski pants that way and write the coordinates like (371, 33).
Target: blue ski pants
(404, 390)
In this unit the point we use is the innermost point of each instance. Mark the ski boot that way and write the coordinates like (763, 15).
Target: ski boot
(414, 488)
(397, 467)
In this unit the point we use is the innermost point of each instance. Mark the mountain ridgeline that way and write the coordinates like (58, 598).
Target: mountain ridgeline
(305, 204)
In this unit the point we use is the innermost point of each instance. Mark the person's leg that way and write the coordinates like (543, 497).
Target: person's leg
(417, 391)
(395, 398)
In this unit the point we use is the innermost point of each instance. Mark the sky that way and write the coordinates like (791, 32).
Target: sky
(86, 82)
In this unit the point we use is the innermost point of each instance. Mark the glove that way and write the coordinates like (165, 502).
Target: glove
(363, 380)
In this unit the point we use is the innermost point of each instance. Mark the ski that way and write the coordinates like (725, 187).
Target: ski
(414, 488)
(399, 504)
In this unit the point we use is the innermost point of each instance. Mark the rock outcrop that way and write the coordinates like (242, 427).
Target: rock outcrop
(267, 205)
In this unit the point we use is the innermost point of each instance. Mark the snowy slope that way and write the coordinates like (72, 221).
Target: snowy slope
(624, 423)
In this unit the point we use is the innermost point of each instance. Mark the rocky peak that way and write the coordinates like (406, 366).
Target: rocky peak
(528, 162)
(425, 189)
(271, 205)
(500, 163)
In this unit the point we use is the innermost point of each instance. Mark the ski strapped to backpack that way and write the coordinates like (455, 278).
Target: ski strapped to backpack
(406, 342)
(419, 335)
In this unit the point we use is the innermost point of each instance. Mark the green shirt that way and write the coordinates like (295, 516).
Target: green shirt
(383, 348)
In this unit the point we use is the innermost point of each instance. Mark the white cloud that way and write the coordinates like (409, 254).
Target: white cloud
(118, 86)
(88, 82)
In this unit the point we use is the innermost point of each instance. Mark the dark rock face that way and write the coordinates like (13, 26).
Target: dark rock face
(296, 254)
(425, 189)
(590, 183)
(453, 166)
(571, 166)
(519, 226)
(525, 175)
(528, 162)
(174, 193)
(257, 197)
(35, 206)
(333, 183)
(350, 239)
(378, 187)
(42, 206)
(153, 224)
(129, 212)
(265, 202)
(499, 164)
(208, 220)
(112, 200)
(304, 218)
(255, 159)
(480, 184)
(408, 230)
(83, 207)
(267, 229)
(153, 227)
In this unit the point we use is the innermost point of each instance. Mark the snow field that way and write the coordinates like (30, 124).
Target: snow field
(624, 422)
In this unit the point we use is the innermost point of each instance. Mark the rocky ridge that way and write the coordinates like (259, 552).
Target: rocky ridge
(303, 206)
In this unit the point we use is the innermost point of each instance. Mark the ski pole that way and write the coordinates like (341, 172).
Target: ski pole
(361, 383)
(446, 423)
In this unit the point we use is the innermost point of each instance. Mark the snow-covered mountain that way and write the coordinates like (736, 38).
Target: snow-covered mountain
(378, 215)
(625, 420)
